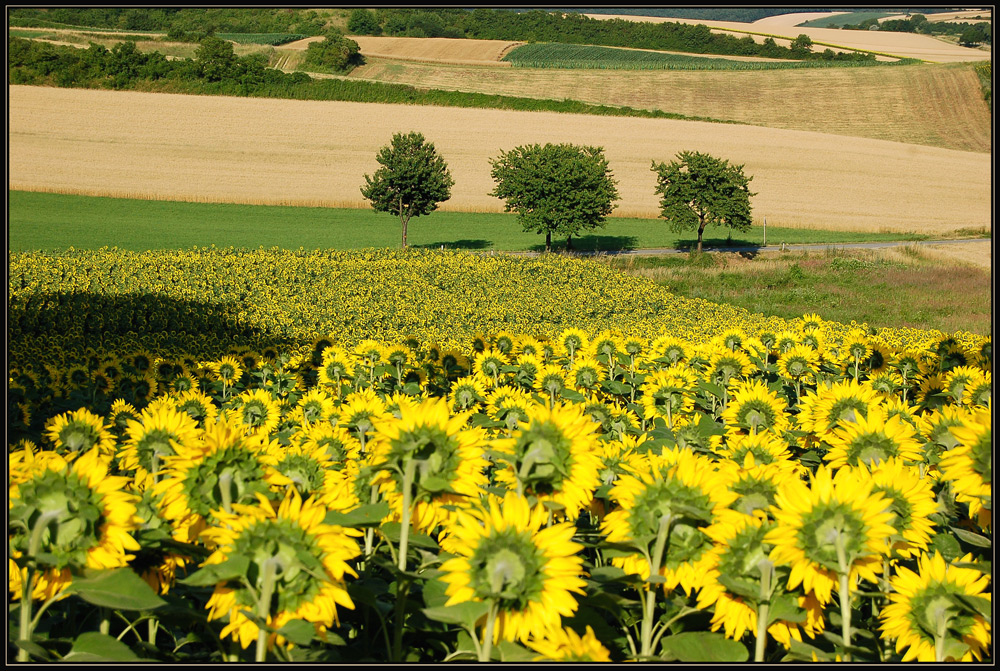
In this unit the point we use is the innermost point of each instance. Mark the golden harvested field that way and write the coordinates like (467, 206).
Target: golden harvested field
(904, 45)
(935, 105)
(312, 152)
(791, 20)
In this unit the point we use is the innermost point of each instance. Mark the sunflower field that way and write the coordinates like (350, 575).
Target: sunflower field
(318, 456)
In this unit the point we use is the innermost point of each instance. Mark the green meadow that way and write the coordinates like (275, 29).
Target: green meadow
(46, 221)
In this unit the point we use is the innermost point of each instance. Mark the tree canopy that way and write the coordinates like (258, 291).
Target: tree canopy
(699, 189)
(413, 179)
(555, 188)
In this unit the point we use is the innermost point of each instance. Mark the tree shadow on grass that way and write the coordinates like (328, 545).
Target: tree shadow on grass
(457, 244)
(722, 244)
(593, 243)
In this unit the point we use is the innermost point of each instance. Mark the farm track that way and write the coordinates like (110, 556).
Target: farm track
(266, 151)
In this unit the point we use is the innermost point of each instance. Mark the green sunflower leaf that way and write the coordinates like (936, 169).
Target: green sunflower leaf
(391, 531)
(509, 651)
(34, 649)
(947, 545)
(365, 516)
(213, 574)
(703, 646)
(971, 538)
(298, 632)
(977, 605)
(571, 395)
(465, 614)
(96, 647)
(799, 651)
(121, 589)
(785, 607)
(740, 587)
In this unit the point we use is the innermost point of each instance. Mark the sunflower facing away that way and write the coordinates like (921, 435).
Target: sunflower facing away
(505, 556)
(296, 567)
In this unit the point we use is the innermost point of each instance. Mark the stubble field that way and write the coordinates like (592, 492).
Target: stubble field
(929, 105)
(207, 148)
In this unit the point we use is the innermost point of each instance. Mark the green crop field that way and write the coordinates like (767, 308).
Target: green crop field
(45, 221)
(267, 39)
(577, 56)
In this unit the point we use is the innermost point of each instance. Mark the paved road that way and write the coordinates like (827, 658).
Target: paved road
(757, 249)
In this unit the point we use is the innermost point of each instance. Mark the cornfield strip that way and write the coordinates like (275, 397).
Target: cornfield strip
(266, 39)
(572, 56)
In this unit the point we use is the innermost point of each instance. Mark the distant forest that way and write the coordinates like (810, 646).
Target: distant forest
(741, 14)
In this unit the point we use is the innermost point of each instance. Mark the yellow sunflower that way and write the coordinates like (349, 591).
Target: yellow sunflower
(970, 463)
(80, 431)
(835, 526)
(740, 554)
(672, 496)
(433, 454)
(928, 616)
(70, 516)
(159, 432)
(526, 572)
(910, 499)
(259, 412)
(225, 467)
(553, 457)
(296, 569)
(565, 645)
(754, 408)
(872, 439)
(669, 393)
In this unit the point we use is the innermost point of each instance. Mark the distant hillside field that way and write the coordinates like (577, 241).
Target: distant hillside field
(268, 151)
(903, 45)
(934, 105)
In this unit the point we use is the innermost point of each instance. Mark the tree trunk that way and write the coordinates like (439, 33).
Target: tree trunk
(548, 241)
(701, 229)
(569, 243)
(404, 233)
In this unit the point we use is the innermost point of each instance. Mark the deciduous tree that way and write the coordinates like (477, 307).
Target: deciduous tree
(556, 188)
(412, 181)
(699, 189)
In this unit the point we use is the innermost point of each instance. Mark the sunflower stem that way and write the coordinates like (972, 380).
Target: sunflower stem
(662, 536)
(105, 626)
(409, 470)
(402, 592)
(225, 483)
(26, 624)
(264, 604)
(845, 595)
(491, 618)
(763, 608)
(940, 636)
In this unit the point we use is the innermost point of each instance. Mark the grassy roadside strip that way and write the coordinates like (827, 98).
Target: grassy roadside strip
(47, 221)
(850, 285)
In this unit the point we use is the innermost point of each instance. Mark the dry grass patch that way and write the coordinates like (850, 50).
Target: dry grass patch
(934, 105)
(291, 151)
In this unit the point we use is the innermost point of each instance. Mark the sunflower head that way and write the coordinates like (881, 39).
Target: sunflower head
(80, 431)
(295, 567)
(928, 616)
(504, 555)
(553, 457)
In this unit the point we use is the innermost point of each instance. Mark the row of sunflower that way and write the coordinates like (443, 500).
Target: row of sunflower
(815, 492)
